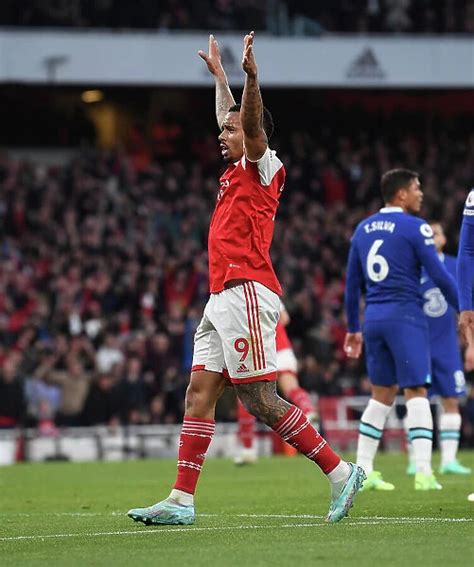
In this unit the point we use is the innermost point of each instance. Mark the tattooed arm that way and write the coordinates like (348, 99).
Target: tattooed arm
(251, 112)
(261, 400)
(224, 98)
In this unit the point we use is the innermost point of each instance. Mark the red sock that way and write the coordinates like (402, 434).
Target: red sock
(247, 421)
(196, 436)
(295, 429)
(300, 398)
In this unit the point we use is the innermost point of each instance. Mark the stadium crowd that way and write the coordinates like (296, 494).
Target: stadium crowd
(103, 267)
(282, 17)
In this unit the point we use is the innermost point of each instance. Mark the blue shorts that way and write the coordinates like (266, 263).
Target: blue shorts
(447, 370)
(397, 352)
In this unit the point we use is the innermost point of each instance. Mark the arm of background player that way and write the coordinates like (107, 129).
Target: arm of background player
(465, 276)
(284, 316)
(465, 267)
(251, 111)
(435, 269)
(224, 98)
(354, 277)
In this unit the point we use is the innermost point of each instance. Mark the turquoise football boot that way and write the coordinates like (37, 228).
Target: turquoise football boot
(343, 502)
(167, 512)
(454, 467)
(411, 468)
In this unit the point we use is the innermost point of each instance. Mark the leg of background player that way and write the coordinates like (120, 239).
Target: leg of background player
(420, 430)
(411, 467)
(449, 426)
(291, 390)
(246, 435)
(371, 428)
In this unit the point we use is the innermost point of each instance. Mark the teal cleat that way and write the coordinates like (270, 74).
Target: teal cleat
(343, 502)
(411, 468)
(454, 467)
(168, 512)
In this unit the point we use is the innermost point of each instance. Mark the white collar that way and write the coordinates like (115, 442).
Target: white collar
(391, 210)
(441, 256)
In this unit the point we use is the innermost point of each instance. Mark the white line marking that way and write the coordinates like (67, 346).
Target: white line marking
(157, 530)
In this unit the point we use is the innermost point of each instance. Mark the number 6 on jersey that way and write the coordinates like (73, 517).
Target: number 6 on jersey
(373, 260)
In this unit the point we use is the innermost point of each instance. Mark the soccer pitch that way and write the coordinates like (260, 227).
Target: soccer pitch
(271, 513)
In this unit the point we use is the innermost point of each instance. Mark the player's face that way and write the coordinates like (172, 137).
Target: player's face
(232, 138)
(413, 196)
(438, 236)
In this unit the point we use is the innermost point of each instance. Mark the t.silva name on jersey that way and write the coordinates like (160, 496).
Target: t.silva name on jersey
(389, 226)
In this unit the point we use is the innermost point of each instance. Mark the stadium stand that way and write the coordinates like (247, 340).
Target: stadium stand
(279, 17)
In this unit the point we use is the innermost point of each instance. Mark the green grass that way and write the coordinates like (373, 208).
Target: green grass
(268, 514)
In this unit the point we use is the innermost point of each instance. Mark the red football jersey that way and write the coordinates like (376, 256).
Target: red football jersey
(282, 340)
(241, 229)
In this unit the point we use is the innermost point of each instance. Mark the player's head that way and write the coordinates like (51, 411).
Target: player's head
(438, 235)
(401, 188)
(232, 139)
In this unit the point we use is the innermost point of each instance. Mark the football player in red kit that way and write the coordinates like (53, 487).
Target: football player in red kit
(236, 337)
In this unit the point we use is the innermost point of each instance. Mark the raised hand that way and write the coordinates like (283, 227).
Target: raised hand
(213, 58)
(249, 64)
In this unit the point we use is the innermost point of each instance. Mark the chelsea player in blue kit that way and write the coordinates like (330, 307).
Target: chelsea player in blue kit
(387, 253)
(465, 272)
(465, 275)
(446, 362)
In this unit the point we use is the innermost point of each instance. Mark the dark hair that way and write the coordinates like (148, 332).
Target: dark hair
(395, 179)
(268, 124)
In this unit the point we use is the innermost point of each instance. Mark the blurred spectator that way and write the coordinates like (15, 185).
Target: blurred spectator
(305, 17)
(109, 354)
(135, 392)
(103, 405)
(74, 382)
(12, 399)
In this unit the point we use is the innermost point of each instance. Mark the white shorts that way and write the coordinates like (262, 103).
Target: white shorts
(286, 361)
(236, 335)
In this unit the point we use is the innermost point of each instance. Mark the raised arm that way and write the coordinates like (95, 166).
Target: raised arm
(251, 111)
(224, 98)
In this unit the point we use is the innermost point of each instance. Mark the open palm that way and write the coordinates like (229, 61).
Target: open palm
(213, 58)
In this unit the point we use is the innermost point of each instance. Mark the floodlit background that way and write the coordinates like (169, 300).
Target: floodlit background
(108, 172)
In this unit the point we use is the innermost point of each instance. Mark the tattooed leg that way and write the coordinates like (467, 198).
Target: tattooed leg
(261, 400)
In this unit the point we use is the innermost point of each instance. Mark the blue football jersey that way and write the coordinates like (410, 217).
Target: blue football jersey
(441, 316)
(387, 252)
(465, 268)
